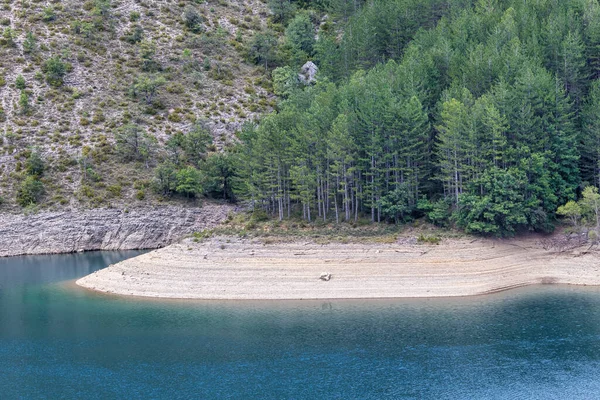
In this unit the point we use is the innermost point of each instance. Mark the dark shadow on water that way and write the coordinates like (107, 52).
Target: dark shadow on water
(22, 270)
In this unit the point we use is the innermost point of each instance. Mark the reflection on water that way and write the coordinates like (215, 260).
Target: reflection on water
(56, 341)
(17, 271)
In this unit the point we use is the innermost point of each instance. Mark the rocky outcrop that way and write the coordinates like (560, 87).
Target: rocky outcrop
(103, 229)
(308, 73)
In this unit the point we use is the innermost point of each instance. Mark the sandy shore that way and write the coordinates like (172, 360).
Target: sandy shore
(231, 268)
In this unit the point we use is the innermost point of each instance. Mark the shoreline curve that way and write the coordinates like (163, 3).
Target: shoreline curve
(226, 268)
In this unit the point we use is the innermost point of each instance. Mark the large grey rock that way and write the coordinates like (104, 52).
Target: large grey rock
(103, 229)
(308, 73)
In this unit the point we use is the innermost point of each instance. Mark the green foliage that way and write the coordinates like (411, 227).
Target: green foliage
(263, 48)
(588, 207)
(9, 36)
(35, 166)
(55, 70)
(590, 204)
(195, 143)
(188, 181)
(425, 239)
(147, 53)
(20, 82)
(590, 137)
(220, 173)
(133, 143)
(285, 81)
(148, 86)
(192, 19)
(101, 10)
(165, 178)
(496, 206)
(49, 14)
(115, 190)
(30, 43)
(135, 34)
(300, 37)
(571, 210)
(481, 110)
(396, 204)
(134, 16)
(282, 10)
(24, 102)
(259, 216)
(30, 191)
(437, 212)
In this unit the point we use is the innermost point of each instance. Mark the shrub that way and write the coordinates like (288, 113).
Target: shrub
(134, 35)
(396, 205)
(49, 14)
(30, 191)
(424, 239)
(30, 43)
(34, 166)
(86, 191)
(188, 181)
(259, 215)
(115, 190)
(148, 86)
(55, 70)
(437, 212)
(20, 82)
(192, 19)
(495, 205)
(24, 102)
(134, 144)
(9, 36)
(165, 178)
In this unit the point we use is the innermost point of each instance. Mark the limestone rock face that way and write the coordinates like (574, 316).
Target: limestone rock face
(308, 73)
(103, 229)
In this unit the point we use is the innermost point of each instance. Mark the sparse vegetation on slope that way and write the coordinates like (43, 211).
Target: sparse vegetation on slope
(74, 75)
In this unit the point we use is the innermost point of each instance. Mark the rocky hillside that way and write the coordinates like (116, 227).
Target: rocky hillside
(72, 73)
(104, 229)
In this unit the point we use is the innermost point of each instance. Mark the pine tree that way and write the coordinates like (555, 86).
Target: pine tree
(452, 147)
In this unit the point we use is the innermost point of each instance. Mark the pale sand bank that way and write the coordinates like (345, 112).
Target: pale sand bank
(248, 269)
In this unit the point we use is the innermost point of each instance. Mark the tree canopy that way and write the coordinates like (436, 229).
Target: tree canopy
(488, 109)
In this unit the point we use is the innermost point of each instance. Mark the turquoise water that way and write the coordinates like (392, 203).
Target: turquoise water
(57, 341)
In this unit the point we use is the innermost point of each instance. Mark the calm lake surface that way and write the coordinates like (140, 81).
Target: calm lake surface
(57, 341)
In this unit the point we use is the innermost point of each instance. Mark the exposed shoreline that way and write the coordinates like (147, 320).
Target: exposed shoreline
(244, 269)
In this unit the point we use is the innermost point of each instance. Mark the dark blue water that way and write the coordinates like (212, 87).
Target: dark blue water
(57, 341)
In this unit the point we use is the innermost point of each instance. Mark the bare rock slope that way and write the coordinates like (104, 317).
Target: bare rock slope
(103, 229)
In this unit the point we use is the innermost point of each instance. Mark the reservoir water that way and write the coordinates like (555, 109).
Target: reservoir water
(58, 341)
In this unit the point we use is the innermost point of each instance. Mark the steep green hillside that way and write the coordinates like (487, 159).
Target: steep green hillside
(483, 115)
